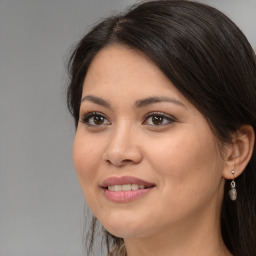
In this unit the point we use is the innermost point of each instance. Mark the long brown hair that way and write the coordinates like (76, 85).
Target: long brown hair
(211, 63)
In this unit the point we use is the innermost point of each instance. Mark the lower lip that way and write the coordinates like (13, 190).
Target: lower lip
(125, 196)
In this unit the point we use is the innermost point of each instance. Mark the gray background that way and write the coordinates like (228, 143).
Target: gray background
(41, 205)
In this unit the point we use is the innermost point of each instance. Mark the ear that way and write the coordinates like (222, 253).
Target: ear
(239, 152)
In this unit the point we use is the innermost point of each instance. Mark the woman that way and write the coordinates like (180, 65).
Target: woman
(163, 98)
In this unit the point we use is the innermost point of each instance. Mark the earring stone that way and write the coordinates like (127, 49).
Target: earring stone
(232, 191)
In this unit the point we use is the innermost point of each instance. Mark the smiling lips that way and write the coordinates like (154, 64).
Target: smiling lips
(125, 189)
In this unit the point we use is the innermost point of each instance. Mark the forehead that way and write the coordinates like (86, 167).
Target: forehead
(114, 60)
(117, 69)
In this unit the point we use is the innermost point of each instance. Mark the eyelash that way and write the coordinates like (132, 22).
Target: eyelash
(162, 117)
(86, 119)
(169, 119)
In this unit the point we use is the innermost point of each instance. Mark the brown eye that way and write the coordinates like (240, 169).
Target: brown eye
(98, 120)
(95, 119)
(158, 119)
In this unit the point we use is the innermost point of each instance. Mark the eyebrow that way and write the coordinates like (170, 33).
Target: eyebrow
(139, 103)
(151, 100)
(96, 100)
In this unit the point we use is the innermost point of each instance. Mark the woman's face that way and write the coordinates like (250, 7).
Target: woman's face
(145, 157)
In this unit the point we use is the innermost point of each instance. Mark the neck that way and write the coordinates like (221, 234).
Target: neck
(197, 247)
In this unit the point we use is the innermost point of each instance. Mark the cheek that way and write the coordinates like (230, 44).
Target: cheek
(86, 158)
(187, 164)
(186, 168)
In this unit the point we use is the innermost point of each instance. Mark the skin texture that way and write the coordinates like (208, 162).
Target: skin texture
(180, 215)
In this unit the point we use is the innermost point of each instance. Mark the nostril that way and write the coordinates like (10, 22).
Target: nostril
(119, 163)
(119, 157)
(127, 161)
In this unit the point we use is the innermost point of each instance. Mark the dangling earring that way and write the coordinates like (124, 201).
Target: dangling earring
(232, 191)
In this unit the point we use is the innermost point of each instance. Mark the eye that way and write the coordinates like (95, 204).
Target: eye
(158, 119)
(95, 119)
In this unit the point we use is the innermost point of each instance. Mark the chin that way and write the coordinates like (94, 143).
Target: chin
(123, 226)
(123, 231)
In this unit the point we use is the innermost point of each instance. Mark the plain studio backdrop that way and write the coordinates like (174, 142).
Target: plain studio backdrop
(41, 205)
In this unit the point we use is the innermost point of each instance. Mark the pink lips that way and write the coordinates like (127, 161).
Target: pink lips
(125, 196)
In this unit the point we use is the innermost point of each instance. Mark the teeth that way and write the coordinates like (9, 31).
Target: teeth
(135, 186)
(125, 187)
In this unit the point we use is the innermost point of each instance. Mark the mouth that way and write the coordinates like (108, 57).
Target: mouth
(125, 183)
(125, 189)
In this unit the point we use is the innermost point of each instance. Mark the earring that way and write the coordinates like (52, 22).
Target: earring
(232, 191)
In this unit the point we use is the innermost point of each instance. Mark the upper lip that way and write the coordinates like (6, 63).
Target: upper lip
(125, 180)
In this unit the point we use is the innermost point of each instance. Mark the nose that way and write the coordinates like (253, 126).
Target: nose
(123, 148)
